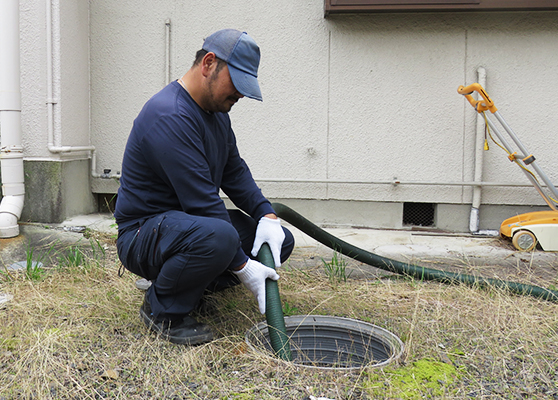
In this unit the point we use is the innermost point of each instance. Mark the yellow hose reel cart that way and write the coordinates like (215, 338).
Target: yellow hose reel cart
(525, 230)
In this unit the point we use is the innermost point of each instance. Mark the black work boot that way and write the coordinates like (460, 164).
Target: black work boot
(185, 331)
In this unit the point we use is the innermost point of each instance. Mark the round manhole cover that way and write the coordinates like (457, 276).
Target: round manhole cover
(319, 341)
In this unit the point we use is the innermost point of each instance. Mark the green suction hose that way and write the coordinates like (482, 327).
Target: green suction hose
(414, 271)
(274, 311)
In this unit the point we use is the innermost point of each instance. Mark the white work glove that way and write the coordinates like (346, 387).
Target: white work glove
(269, 231)
(253, 276)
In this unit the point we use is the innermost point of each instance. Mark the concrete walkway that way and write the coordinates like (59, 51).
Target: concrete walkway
(487, 256)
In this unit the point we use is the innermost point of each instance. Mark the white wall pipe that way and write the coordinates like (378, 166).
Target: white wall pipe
(106, 173)
(474, 217)
(395, 182)
(11, 151)
(54, 145)
(167, 51)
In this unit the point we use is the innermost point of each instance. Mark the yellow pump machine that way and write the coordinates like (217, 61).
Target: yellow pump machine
(525, 230)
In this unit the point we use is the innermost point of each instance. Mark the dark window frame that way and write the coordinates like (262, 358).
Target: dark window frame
(373, 6)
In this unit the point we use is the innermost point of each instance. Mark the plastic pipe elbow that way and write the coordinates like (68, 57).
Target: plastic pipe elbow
(10, 211)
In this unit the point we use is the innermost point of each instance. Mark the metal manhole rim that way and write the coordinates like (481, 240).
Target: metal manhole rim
(333, 323)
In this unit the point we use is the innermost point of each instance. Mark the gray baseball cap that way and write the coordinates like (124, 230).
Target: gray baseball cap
(242, 55)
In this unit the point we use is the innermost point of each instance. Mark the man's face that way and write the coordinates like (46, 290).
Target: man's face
(222, 94)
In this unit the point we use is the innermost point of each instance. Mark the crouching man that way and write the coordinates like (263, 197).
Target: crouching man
(173, 227)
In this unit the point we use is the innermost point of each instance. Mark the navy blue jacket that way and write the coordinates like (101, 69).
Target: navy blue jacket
(177, 158)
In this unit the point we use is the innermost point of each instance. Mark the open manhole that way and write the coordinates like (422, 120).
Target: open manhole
(319, 341)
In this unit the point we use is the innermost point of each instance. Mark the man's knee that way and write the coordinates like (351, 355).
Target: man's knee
(288, 245)
(221, 241)
(205, 241)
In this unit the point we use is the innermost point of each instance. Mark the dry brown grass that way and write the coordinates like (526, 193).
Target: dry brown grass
(76, 334)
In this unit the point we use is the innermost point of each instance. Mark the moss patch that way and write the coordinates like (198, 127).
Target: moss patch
(420, 379)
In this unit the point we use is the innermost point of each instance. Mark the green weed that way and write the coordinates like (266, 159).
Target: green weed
(79, 256)
(336, 269)
(73, 257)
(98, 250)
(34, 269)
(115, 226)
(289, 309)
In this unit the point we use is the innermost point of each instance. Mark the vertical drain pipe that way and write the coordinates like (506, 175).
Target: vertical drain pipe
(474, 217)
(167, 51)
(54, 147)
(11, 151)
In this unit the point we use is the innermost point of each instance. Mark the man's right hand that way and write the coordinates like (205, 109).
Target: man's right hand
(253, 276)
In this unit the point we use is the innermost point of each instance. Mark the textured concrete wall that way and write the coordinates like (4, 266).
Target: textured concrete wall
(351, 98)
(56, 190)
(33, 79)
(70, 76)
(73, 114)
(57, 184)
(394, 111)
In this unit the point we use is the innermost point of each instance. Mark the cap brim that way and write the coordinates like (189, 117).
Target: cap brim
(246, 84)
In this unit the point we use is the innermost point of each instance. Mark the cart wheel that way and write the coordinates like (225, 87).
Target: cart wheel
(524, 241)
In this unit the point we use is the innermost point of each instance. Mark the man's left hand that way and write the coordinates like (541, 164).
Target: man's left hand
(269, 231)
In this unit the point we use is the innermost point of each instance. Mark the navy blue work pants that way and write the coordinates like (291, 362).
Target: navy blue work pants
(185, 255)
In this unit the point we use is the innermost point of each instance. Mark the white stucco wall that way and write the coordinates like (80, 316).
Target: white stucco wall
(74, 73)
(394, 107)
(55, 76)
(351, 98)
(33, 79)
(348, 98)
(70, 77)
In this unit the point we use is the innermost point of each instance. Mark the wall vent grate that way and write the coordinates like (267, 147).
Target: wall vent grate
(418, 214)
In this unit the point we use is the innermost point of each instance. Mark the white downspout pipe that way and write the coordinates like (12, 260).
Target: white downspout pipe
(474, 217)
(11, 151)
